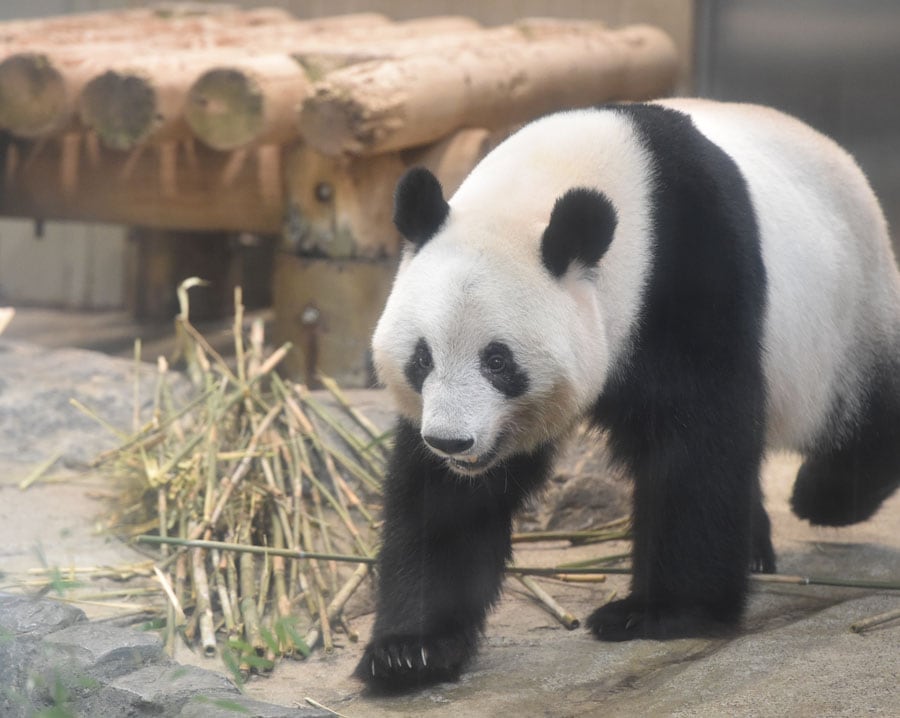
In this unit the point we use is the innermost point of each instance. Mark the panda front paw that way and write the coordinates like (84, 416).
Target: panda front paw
(628, 619)
(398, 663)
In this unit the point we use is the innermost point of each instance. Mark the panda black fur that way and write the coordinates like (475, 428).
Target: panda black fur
(702, 281)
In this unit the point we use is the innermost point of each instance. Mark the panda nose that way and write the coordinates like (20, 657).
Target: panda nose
(449, 446)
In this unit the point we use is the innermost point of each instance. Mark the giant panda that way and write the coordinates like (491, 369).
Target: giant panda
(701, 281)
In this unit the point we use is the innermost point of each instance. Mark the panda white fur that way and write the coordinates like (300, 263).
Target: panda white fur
(701, 280)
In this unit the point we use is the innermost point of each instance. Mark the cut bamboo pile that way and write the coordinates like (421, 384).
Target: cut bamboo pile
(257, 495)
(134, 105)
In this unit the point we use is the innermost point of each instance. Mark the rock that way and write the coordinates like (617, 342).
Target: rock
(24, 615)
(104, 652)
(36, 409)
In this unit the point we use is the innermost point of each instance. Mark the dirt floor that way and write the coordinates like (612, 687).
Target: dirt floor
(797, 655)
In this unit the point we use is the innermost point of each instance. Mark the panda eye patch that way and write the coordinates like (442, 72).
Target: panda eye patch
(499, 367)
(419, 365)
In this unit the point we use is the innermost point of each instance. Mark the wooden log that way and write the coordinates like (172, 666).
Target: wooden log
(247, 101)
(199, 21)
(138, 30)
(174, 185)
(126, 107)
(38, 94)
(143, 99)
(243, 96)
(255, 100)
(385, 105)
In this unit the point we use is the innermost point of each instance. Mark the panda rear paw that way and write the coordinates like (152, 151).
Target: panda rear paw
(628, 619)
(398, 663)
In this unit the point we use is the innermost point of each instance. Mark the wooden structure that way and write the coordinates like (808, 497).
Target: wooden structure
(190, 117)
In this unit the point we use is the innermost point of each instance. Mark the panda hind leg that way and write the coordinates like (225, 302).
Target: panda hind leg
(762, 557)
(847, 481)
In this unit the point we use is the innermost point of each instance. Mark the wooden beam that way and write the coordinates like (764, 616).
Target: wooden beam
(173, 185)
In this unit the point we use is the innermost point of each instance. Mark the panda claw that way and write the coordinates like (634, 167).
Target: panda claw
(373, 668)
(424, 658)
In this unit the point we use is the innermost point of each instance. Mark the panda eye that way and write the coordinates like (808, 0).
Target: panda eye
(419, 365)
(496, 363)
(499, 367)
(423, 360)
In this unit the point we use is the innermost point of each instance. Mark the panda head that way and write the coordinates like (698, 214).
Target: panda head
(491, 339)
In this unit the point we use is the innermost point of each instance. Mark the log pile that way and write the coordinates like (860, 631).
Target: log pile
(200, 116)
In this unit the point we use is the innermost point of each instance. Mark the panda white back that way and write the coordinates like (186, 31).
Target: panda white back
(833, 286)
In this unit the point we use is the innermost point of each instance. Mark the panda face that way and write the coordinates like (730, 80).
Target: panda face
(512, 300)
(491, 352)
(468, 357)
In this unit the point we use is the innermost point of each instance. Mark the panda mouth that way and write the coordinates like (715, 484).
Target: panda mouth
(470, 464)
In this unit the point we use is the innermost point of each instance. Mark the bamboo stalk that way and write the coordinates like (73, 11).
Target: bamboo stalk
(361, 419)
(174, 602)
(574, 537)
(562, 615)
(248, 605)
(755, 577)
(238, 475)
(232, 580)
(348, 438)
(596, 562)
(282, 603)
(866, 623)
(263, 585)
(250, 548)
(204, 606)
(40, 470)
(339, 601)
(222, 592)
(825, 581)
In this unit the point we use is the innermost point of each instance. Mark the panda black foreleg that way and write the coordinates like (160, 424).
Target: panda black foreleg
(697, 529)
(445, 544)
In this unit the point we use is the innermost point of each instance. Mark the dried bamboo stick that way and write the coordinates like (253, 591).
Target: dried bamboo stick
(361, 419)
(338, 602)
(204, 606)
(562, 615)
(248, 605)
(174, 601)
(282, 602)
(866, 623)
(261, 550)
(231, 482)
(222, 592)
(575, 537)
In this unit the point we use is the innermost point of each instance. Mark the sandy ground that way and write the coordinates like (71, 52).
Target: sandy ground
(797, 655)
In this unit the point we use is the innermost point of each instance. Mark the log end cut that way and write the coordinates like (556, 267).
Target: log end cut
(121, 107)
(225, 108)
(33, 96)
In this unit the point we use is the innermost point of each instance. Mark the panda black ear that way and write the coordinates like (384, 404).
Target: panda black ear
(419, 206)
(580, 229)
